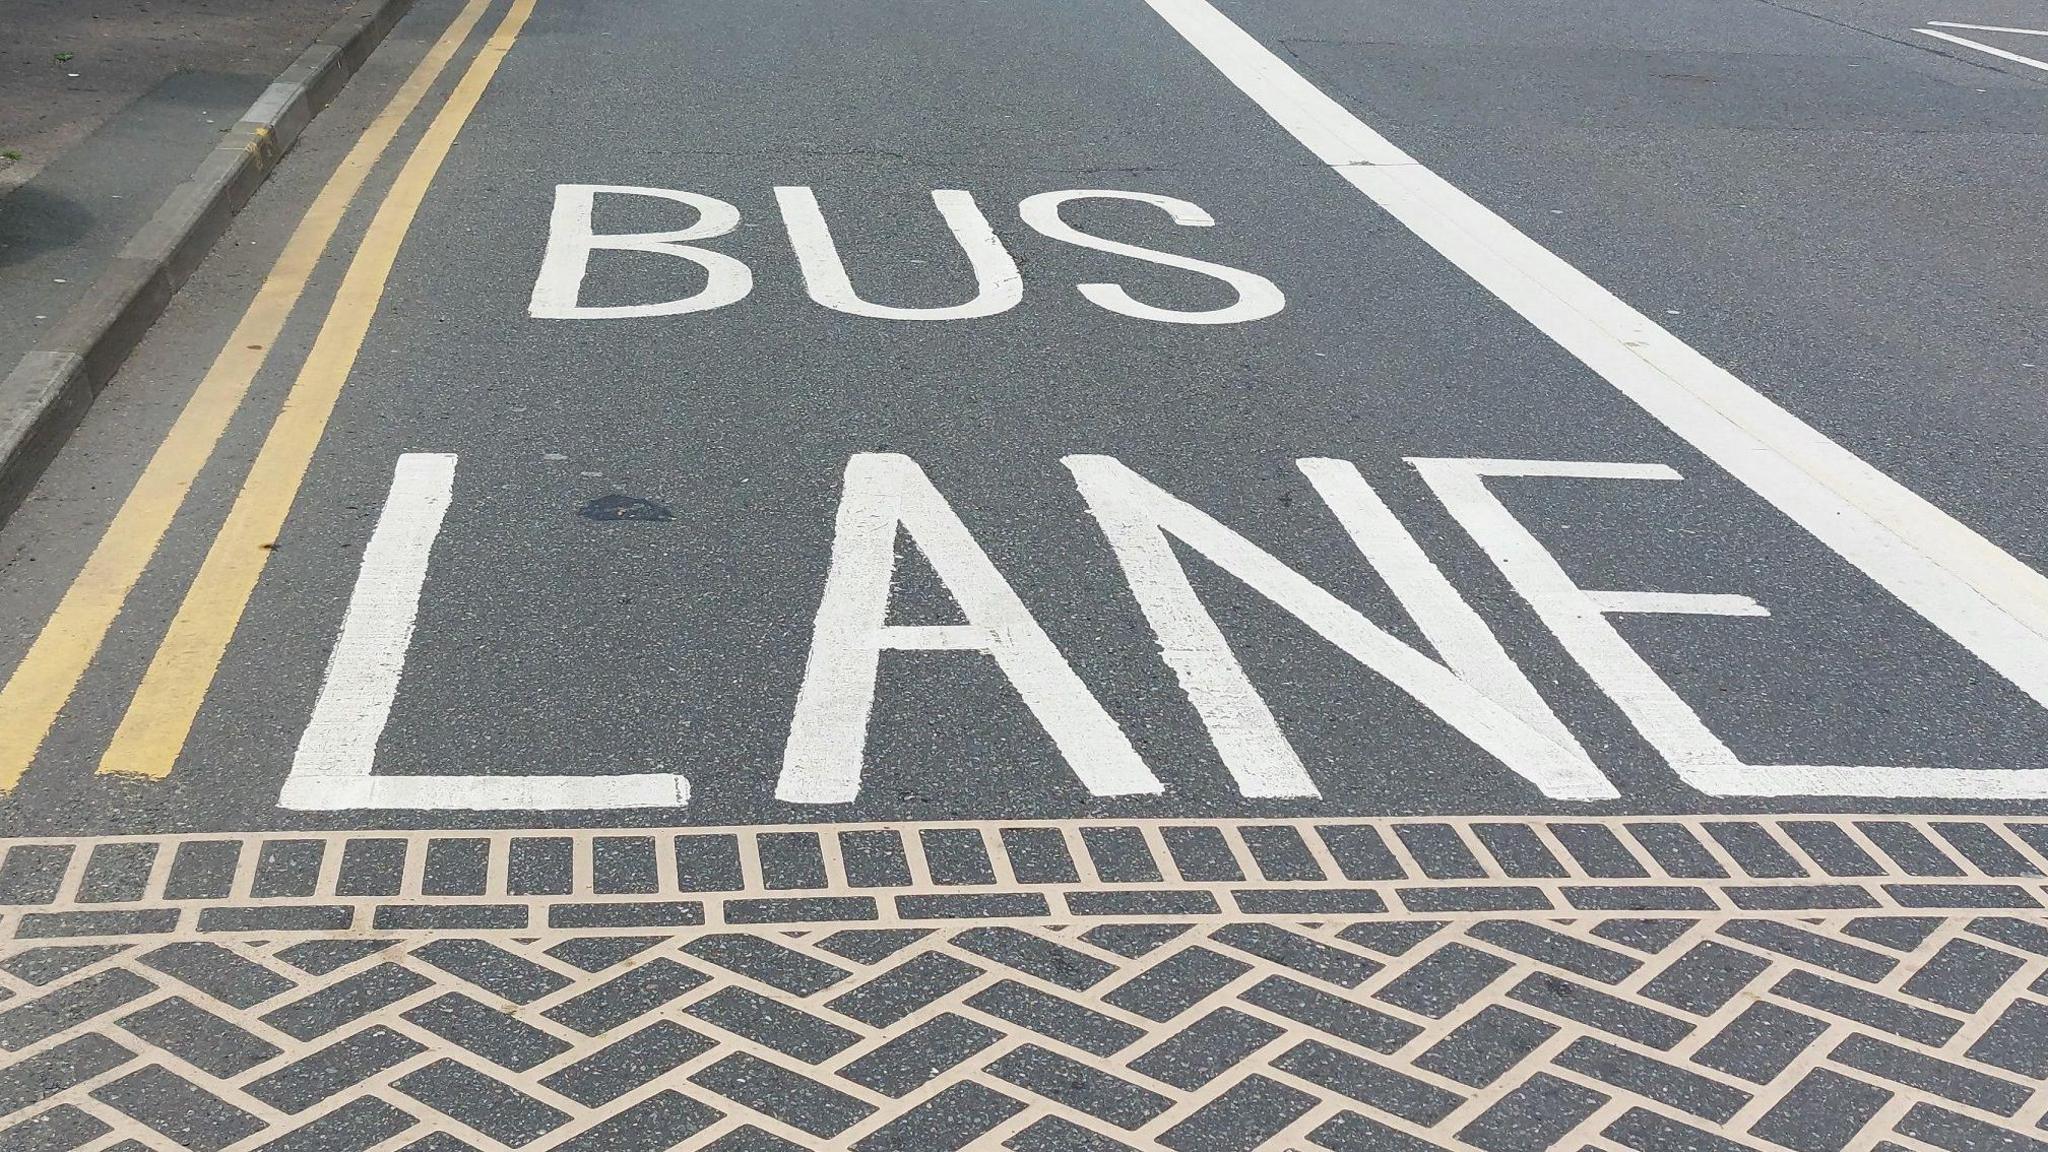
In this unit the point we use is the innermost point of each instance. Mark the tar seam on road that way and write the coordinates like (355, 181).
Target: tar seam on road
(43, 682)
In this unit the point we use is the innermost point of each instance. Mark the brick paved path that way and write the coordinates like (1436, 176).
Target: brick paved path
(1655, 984)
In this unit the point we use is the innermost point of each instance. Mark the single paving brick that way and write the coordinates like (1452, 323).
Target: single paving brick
(1706, 977)
(1760, 1043)
(655, 1124)
(497, 1036)
(1702, 1096)
(199, 1037)
(627, 996)
(1600, 1010)
(1177, 983)
(771, 1090)
(626, 1064)
(1053, 1134)
(75, 1003)
(1599, 851)
(492, 968)
(947, 1122)
(342, 1064)
(780, 1026)
(1867, 1007)
(872, 945)
(874, 858)
(1958, 1133)
(1354, 1132)
(597, 953)
(911, 1060)
(357, 1125)
(1039, 856)
(956, 856)
(43, 1075)
(53, 962)
(497, 1110)
(1647, 1131)
(1851, 960)
(904, 989)
(1931, 1074)
(766, 961)
(1061, 1019)
(1963, 975)
(329, 1008)
(1537, 1114)
(1079, 1086)
(1521, 853)
(1551, 947)
(1311, 958)
(59, 1129)
(1821, 1113)
(1206, 1049)
(323, 956)
(1332, 1014)
(2017, 1041)
(1478, 1051)
(1054, 963)
(180, 1110)
(1449, 977)
(1241, 1119)
(1369, 1083)
(1280, 852)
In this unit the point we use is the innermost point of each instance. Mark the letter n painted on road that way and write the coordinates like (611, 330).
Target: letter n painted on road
(1481, 694)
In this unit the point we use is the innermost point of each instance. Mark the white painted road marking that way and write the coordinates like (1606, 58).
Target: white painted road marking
(1989, 28)
(1257, 297)
(1992, 604)
(1988, 49)
(1579, 620)
(885, 492)
(998, 285)
(558, 289)
(332, 769)
(1482, 694)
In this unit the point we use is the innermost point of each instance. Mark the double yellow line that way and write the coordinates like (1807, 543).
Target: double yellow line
(159, 718)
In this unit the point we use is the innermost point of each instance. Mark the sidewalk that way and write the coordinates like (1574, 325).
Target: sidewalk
(105, 106)
(111, 110)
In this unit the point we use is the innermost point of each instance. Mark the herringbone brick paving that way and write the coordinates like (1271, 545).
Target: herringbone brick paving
(1893, 998)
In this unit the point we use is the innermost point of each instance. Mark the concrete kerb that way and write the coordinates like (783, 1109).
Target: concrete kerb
(49, 392)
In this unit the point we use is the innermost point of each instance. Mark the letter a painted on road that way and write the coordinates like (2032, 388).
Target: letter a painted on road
(828, 735)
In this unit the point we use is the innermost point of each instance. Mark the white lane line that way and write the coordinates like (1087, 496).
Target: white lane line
(2001, 53)
(1615, 603)
(332, 769)
(1992, 604)
(1989, 28)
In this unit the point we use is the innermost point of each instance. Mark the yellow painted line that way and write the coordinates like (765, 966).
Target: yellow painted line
(49, 673)
(160, 716)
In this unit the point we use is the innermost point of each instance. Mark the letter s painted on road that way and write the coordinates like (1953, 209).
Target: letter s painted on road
(1257, 297)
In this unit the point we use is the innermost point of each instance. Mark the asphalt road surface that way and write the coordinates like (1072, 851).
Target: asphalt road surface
(625, 415)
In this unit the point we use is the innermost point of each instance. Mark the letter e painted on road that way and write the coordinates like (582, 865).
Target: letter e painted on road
(1578, 617)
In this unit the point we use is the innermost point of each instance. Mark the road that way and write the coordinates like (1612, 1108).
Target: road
(1489, 443)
